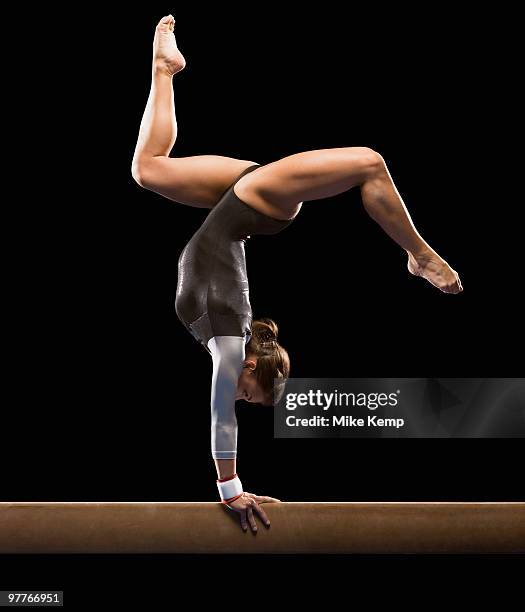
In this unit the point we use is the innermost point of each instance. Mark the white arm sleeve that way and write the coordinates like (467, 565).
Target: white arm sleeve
(228, 353)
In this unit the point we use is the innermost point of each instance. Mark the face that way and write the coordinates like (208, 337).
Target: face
(247, 387)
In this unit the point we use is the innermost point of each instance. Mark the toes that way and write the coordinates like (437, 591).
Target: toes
(166, 23)
(455, 288)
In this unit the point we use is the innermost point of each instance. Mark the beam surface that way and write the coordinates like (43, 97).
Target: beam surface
(297, 527)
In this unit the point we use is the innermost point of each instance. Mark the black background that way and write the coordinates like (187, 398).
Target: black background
(110, 394)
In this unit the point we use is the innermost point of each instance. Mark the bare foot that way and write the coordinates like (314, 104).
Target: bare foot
(436, 271)
(166, 55)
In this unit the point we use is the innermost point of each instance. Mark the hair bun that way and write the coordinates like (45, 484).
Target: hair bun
(270, 327)
(267, 337)
(264, 333)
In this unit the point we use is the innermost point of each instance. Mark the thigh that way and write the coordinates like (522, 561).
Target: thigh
(281, 186)
(197, 181)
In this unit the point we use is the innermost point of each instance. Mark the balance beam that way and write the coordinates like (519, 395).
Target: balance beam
(297, 527)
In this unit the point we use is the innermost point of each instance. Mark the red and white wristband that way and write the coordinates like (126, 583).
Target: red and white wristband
(230, 488)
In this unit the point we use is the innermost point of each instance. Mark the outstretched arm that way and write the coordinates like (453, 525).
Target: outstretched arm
(228, 353)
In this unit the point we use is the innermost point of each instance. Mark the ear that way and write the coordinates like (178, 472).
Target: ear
(250, 364)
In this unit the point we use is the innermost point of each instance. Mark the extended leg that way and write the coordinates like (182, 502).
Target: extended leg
(197, 181)
(283, 185)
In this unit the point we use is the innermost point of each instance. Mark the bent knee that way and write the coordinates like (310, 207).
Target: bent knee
(370, 160)
(137, 172)
(141, 172)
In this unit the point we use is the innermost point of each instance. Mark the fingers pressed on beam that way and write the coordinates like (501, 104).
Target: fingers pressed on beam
(244, 524)
(251, 520)
(262, 515)
(264, 499)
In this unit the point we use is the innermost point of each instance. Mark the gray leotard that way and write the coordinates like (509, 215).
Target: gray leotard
(212, 289)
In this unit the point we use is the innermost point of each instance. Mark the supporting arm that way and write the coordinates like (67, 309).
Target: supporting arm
(228, 353)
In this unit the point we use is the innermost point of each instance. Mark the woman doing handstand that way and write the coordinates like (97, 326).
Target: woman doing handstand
(245, 199)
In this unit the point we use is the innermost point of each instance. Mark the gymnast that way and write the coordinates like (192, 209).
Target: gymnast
(246, 198)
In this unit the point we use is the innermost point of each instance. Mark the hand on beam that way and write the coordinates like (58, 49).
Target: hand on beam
(247, 504)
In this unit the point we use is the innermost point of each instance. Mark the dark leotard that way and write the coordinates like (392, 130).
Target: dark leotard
(212, 289)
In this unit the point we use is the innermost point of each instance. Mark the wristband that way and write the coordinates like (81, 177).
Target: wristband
(229, 501)
(229, 488)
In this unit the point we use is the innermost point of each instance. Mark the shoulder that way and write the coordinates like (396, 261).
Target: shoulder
(227, 346)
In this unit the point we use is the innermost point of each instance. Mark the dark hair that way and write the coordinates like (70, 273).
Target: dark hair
(272, 360)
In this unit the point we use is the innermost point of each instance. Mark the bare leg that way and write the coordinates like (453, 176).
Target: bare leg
(283, 185)
(158, 128)
(196, 181)
(384, 204)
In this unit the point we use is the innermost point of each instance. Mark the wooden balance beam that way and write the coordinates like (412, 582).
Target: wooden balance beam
(297, 527)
